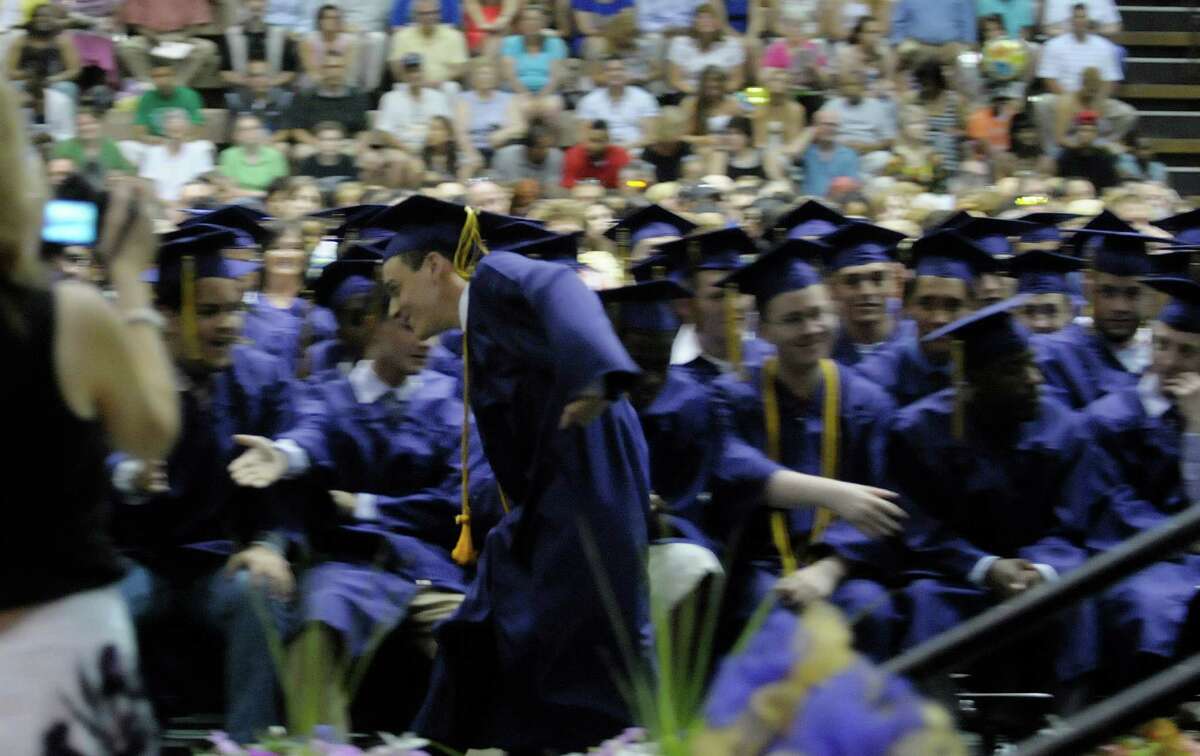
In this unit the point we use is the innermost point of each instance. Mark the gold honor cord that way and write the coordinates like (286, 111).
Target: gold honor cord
(831, 415)
(733, 334)
(470, 249)
(187, 307)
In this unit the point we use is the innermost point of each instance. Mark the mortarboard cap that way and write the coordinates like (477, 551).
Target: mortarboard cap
(779, 271)
(960, 218)
(559, 248)
(810, 220)
(1041, 271)
(993, 233)
(1118, 253)
(1045, 229)
(860, 243)
(354, 273)
(948, 254)
(721, 249)
(346, 212)
(1183, 311)
(987, 334)
(244, 221)
(509, 235)
(647, 223)
(645, 306)
(1185, 226)
(1047, 218)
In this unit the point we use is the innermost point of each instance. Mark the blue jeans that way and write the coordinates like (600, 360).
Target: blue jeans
(227, 604)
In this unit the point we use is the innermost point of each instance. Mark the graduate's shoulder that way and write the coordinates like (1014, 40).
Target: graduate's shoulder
(861, 394)
(923, 415)
(681, 392)
(1115, 413)
(253, 366)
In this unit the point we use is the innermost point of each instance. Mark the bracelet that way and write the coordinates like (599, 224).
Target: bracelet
(147, 316)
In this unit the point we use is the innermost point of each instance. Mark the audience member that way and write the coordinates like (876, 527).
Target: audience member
(1067, 56)
(450, 13)
(490, 116)
(487, 22)
(805, 62)
(1015, 15)
(155, 22)
(167, 95)
(593, 17)
(667, 149)
(252, 164)
(665, 17)
(941, 27)
(1115, 118)
(442, 156)
(1139, 163)
(535, 156)
(1084, 159)
(707, 45)
(443, 49)
(626, 109)
(866, 51)
(595, 158)
(258, 97)
(990, 124)
(49, 113)
(368, 21)
(330, 161)
(824, 158)
(642, 53)
(255, 39)
(865, 124)
(533, 60)
(45, 52)
(330, 100)
(1101, 14)
(736, 155)
(330, 37)
(916, 160)
(779, 122)
(177, 159)
(943, 109)
(94, 153)
(708, 110)
(405, 112)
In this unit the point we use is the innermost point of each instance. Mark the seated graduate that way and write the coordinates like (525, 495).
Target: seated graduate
(199, 544)
(678, 419)
(947, 267)
(796, 416)
(861, 274)
(1087, 362)
(387, 442)
(639, 234)
(348, 288)
(1052, 296)
(995, 236)
(811, 220)
(717, 339)
(1152, 430)
(1002, 484)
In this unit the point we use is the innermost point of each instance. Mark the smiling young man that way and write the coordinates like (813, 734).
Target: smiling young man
(1042, 275)
(198, 543)
(1152, 430)
(774, 425)
(528, 661)
(941, 291)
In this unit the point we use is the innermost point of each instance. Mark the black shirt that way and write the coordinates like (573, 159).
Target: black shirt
(311, 166)
(348, 109)
(1095, 164)
(667, 166)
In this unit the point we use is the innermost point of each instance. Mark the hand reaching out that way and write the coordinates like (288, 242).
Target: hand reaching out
(260, 465)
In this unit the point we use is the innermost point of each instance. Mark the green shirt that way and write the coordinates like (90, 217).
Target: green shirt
(109, 157)
(151, 105)
(256, 175)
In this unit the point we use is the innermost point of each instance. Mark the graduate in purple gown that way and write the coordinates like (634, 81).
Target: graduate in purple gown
(639, 234)
(774, 427)
(811, 220)
(1184, 226)
(678, 418)
(1002, 484)
(698, 262)
(197, 542)
(942, 289)
(1045, 277)
(1152, 430)
(860, 268)
(995, 236)
(530, 659)
(347, 288)
(1088, 362)
(385, 441)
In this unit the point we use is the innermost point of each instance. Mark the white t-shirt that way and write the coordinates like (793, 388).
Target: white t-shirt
(407, 118)
(1099, 11)
(624, 116)
(685, 53)
(1065, 58)
(661, 15)
(171, 172)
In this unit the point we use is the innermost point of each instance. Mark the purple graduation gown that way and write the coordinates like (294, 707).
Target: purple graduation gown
(529, 660)
(287, 333)
(846, 352)
(1145, 613)
(902, 370)
(194, 527)
(739, 509)
(409, 458)
(1078, 363)
(1033, 499)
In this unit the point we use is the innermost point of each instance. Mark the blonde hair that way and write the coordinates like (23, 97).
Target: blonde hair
(21, 196)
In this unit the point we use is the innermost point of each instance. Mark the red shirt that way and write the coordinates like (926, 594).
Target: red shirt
(577, 166)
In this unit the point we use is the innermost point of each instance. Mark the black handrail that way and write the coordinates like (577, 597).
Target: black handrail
(1110, 718)
(1011, 619)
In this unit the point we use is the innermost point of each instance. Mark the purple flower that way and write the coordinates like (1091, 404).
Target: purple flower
(767, 659)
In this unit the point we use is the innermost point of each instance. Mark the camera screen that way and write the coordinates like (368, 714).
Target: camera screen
(70, 222)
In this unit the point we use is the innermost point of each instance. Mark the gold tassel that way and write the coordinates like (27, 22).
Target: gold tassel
(187, 308)
(733, 334)
(779, 522)
(470, 246)
(958, 368)
(830, 440)
(464, 551)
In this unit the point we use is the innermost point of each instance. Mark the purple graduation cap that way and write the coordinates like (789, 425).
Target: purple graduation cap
(645, 306)
(516, 233)
(860, 243)
(993, 234)
(1185, 226)
(1041, 271)
(987, 334)
(779, 271)
(244, 221)
(1182, 312)
(353, 274)
(183, 260)
(948, 254)
(649, 222)
(558, 248)
(720, 249)
(811, 220)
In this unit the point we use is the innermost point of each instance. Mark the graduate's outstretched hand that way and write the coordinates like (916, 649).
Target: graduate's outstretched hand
(808, 584)
(152, 478)
(267, 569)
(1009, 577)
(1185, 390)
(581, 412)
(867, 508)
(260, 465)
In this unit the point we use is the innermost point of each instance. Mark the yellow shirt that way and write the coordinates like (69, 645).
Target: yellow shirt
(445, 48)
